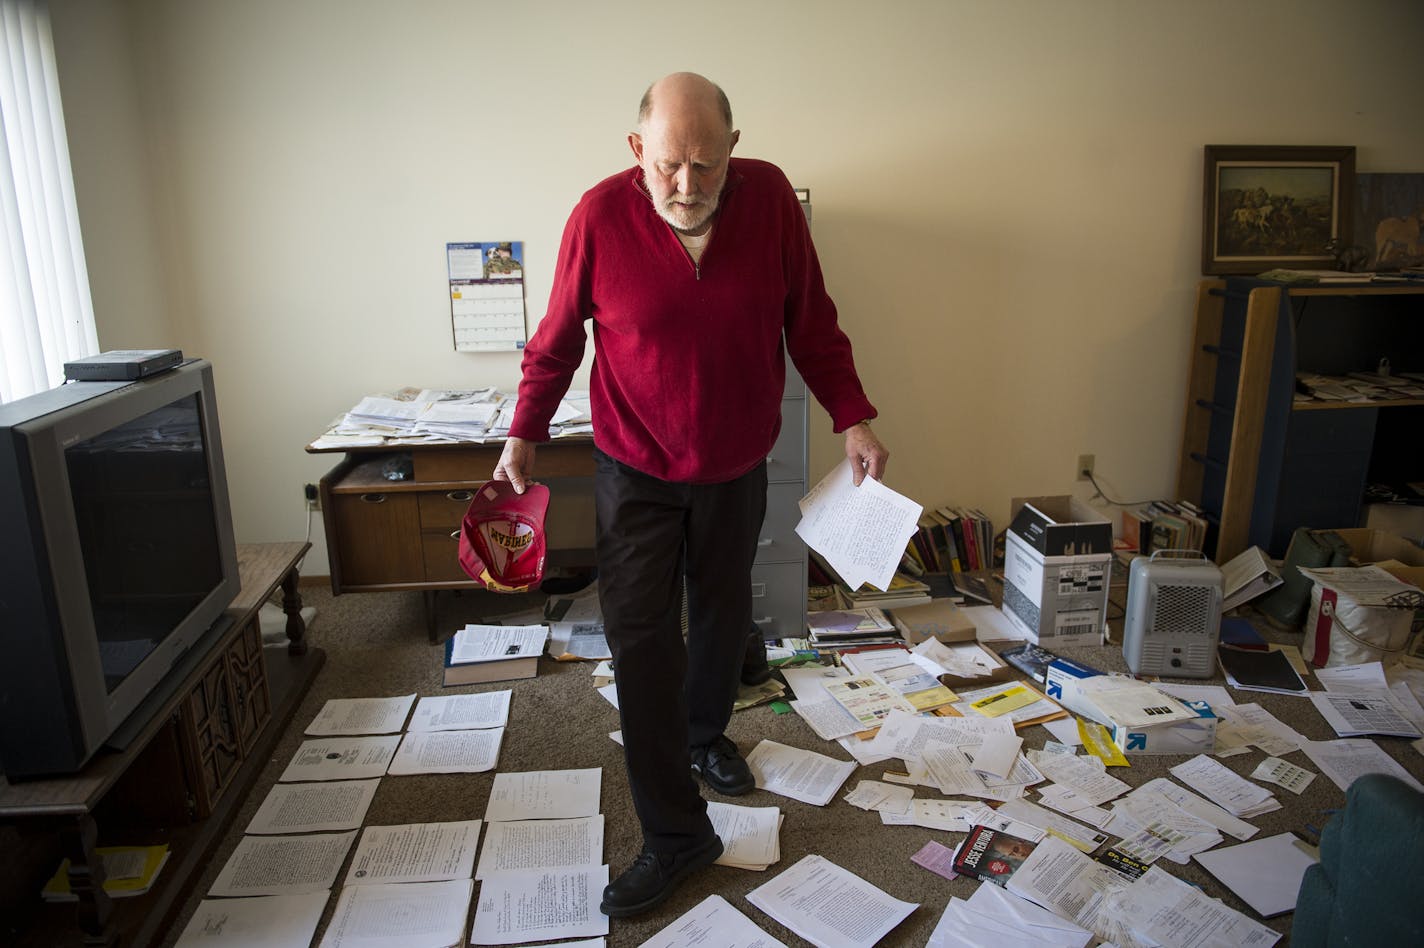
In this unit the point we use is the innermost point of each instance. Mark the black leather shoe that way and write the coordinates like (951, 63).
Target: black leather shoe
(652, 878)
(721, 767)
(755, 670)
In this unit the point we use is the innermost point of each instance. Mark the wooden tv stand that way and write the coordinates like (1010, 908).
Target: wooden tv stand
(182, 777)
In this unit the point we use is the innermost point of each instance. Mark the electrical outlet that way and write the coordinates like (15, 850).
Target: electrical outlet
(313, 498)
(1085, 467)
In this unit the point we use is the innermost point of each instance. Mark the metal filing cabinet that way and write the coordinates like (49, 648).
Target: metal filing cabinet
(779, 572)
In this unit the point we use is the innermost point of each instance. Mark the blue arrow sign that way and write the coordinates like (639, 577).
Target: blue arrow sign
(1137, 742)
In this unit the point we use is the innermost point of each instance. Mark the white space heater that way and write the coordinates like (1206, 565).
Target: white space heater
(1173, 615)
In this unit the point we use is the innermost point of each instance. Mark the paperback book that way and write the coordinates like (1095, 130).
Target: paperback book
(991, 855)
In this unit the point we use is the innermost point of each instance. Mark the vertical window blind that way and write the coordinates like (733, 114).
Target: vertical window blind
(46, 314)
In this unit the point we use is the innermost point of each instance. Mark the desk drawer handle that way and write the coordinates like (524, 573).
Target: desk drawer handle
(764, 542)
(373, 498)
(764, 620)
(460, 496)
(454, 534)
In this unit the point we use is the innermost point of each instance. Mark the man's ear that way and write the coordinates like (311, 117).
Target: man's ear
(736, 135)
(635, 142)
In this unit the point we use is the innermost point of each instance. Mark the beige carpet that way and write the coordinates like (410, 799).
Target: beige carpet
(376, 646)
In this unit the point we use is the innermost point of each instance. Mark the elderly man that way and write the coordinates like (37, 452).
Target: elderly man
(698, 274)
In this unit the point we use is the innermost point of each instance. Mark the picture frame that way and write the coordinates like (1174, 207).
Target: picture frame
(1389, 221)
(1276, 206)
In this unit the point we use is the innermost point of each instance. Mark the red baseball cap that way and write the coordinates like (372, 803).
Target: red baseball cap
(502, 536)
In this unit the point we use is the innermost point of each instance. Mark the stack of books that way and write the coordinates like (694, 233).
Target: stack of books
(1164, 525)
(839, 630)
(905, 590)
(953, 539)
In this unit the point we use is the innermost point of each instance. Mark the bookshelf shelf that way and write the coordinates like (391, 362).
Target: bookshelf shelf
(1262, 464)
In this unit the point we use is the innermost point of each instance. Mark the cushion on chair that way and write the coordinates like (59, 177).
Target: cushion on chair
(1365, 889)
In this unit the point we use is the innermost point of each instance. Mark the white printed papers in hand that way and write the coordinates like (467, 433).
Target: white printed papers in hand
(750, 835)
(541, 844)
(540, 905)
(799, 774)
(283, 865)
(361, 716)
(462, 712)
(341, 758)
(1232, 792)
(448, 752)
(861, 531)
(829, 906)
(415, 852)
(713, 921)
(544, 795)
(313, 807)
(430, 914)
(271, 921)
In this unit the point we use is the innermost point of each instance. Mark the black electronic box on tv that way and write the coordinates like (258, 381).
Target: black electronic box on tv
(121, 365)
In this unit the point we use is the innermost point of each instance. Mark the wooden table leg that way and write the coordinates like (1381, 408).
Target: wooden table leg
(86, 881)
(430, 616)
(292, 606)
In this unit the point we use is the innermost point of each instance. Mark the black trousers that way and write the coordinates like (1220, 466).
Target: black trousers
(650, 535)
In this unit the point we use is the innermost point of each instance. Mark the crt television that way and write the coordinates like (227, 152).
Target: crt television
(118, 560)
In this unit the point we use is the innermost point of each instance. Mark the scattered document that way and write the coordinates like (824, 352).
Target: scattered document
(341, 758)
(544, 795)
(540, 905)
(1173, 913)
(868, 699)
(1232, 792)
(1283, 774)
(882, 797)
(799, 774)
(1344, 761)
(409, 915)
(415, 852)
(829, 906)
(578, 640)
(937, 858)
(361, 716)
(314, 807)
(997, 917)
(283, 865)
(861, 531)
(750, 835)
(271, 921)
(542, 844)
(1357, 712)
(712, 923)
(991, 625)
(1265, 873)
(462, 712)
(495, 643)
(448, 752)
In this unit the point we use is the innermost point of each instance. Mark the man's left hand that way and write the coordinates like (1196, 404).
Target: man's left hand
(867, 455)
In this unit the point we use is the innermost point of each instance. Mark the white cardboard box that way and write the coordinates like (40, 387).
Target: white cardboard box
(1180, 737)
(1057, 563)
(1061, 679)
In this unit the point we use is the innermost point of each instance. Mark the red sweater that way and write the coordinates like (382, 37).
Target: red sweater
(689, 365)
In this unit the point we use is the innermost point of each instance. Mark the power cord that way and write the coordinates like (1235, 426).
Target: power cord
(1099, 494)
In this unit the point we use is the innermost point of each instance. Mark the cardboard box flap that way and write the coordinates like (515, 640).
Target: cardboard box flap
(1060, 526)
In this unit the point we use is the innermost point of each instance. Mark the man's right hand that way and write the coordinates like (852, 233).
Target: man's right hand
(516, 463)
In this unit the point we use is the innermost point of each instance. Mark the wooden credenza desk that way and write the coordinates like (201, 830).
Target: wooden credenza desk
(384, 534)
(182, 777)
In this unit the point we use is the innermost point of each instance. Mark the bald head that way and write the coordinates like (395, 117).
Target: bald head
(684, 145)
(684, 93)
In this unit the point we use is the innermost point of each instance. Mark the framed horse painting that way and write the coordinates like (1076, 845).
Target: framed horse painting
(1272, 206)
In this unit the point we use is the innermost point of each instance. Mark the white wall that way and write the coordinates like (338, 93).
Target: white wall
(1007, 195)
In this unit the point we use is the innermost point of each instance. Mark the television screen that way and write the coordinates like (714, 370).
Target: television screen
(136, 488)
